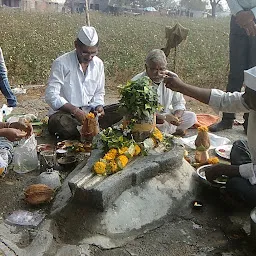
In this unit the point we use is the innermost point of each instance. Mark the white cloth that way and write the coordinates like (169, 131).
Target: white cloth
(240, 5)
(68, 83)
(230, 102)
(171, 101)
(88, 36)
(249, 78)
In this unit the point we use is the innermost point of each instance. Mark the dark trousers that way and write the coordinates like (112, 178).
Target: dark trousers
(239, 187)
(65, 125)
(242, 56)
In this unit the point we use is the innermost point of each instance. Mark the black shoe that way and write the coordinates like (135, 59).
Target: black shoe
(222, 125)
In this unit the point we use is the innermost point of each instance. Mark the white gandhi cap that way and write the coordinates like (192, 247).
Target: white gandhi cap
(250, 78)
(88, 36)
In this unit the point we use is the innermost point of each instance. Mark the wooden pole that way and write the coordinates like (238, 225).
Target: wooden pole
(87, 18)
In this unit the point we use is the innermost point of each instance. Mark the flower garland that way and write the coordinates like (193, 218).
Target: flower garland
(117, 157)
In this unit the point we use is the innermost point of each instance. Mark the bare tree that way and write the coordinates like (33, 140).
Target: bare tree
(214, 4)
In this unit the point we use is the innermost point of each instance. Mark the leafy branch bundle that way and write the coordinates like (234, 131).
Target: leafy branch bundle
(139, 99)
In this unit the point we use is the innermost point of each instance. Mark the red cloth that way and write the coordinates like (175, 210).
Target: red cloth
(205, 120)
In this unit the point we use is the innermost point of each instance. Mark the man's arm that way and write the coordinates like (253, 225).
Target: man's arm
(215, 171)
(52, 93)
(176, 84)
(217, 99)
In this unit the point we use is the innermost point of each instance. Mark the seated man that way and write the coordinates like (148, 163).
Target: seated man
(174, 119)
(242, 171)
(4, 83)
(8, 134)
(76, 86)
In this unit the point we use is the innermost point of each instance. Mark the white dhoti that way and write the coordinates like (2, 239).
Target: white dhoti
(188, 119)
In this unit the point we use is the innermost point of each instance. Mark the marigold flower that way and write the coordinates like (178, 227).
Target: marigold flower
(157, 134)
(109, 156)
(202, 128)
(122, 150)
(123, 160)
(113, 151)
(137, 150)
(99, 168)
(213, 160)
(90, 116)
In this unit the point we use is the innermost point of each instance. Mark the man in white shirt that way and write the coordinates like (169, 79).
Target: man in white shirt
(242, 46)
(242, 171)
(173, 119)
(76, 86)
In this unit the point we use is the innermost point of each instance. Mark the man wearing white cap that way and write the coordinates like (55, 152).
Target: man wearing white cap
(242, 171)
(76, 85)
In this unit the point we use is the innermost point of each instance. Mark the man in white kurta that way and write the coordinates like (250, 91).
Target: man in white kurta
(242, 177)
(76, 85)
(173, 118)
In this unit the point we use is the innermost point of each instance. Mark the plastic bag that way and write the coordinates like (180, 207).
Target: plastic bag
(3, 162)
(25, 218)
(25, 156)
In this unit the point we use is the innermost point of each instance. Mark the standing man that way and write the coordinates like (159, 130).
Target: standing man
(4, 83)
(173, 119)
(76, 85)
(242, 45)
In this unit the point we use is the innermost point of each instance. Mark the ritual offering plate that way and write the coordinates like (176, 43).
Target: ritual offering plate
(43, 147)
(67, 161)
(224, 151)
(220, 181)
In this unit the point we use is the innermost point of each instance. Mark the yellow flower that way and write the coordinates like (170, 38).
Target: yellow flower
(122, 160)
(109, 156)
(113, 166)
(113, 151)
(213, 160)
(122, 150)
(137, 150)
(99, 168)
(202, 128)
(90, 116)
(157, 134)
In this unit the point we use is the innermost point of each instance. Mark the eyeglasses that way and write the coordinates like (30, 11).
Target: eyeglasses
(89, 53)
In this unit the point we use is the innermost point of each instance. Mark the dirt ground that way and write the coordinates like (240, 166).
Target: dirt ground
(158, 242)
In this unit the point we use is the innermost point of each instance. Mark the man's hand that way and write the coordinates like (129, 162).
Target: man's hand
(173, 82)
(179, 113)
(100, 111)
(172, 119)
(217, 170)
(26, 127)
(244, 17)
(79, 115)
(13, 134)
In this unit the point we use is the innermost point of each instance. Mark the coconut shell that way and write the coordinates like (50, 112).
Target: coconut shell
(202, 140)
(38, 194)
(201, 156)
(90, 128)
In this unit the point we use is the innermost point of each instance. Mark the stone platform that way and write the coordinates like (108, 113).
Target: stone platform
(101, 191)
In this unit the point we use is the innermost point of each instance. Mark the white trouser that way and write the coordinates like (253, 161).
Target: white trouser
(188, 119)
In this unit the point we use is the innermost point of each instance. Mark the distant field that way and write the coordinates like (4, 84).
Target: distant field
(31, 41)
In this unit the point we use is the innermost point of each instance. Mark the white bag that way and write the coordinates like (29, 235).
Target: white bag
(25, 156)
